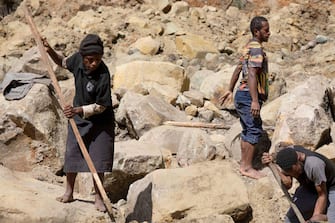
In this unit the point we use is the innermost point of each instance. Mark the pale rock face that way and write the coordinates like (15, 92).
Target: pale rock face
(196, 191)
(34, 201)
(194, 46)
(179, 8)
(131, 74)
(302, 118)
(147, 45)
(141, 113)
(18, 33)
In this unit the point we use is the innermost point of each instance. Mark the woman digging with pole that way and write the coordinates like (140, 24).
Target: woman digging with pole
(91, 118)
(92, 112)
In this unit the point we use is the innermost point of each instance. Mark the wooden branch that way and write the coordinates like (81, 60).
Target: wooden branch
(58, 91)
(286, 193)
(196, 124)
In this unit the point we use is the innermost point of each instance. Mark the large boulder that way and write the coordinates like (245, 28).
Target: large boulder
(18, 33)
(195, 192)
(132, 74)
(31, 62)
(303, 117)
(37, 116)
(132, 161)
(147, 45)
(218, 81)
(194, 46)
(24, 199)
(84, 20)
(191, 145)
(141, 113)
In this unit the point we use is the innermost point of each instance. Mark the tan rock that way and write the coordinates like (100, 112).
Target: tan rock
(194, 46)
(195, 192)
(269, 112)
(162, 5)
(147, 45)
(163, 73)
(38, 115)
(35, 201)
(211, 107)
(191, 110)
(141, 113)
(138, 22)
(165, 92)
(219, 81)
(196, 97)
(18, 33)
(233, 12)
(172, 28)
(167, 137)
(179, 8)
(301, 119)
(327, 151)
(84, 20)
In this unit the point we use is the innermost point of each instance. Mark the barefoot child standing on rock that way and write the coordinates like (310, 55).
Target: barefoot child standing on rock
(92, 112)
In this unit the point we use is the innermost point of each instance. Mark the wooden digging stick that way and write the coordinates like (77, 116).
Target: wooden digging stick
(61, 99)
(287, 195)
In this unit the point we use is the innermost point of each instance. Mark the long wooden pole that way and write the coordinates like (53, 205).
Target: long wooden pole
(196, 125)
(61, 99)
(286, 193)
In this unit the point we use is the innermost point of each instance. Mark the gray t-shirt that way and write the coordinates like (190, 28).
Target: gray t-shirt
(315, 170)
(312, 168)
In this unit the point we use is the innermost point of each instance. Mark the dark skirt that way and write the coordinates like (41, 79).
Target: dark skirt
(99, 142)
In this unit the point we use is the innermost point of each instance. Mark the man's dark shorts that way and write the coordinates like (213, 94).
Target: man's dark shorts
(251, 127)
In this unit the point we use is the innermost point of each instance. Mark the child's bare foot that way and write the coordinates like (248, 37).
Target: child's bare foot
(252, 173)
(99, 204)
(65, 198)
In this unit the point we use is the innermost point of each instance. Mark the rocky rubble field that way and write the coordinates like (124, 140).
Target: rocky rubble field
(169, 61)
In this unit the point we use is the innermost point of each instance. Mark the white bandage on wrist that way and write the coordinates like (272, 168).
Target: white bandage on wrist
(92, 109)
